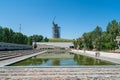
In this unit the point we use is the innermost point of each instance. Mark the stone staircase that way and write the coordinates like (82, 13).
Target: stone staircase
(60, 73)
(4, 55)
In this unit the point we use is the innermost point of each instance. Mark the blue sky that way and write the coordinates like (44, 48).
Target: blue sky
(73, 16)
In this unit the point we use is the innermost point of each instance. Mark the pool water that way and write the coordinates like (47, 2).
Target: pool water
(61, 59)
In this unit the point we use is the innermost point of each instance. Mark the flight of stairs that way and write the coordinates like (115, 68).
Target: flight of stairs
(60, 73)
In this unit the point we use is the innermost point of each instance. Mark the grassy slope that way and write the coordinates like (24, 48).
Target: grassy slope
(60, 40)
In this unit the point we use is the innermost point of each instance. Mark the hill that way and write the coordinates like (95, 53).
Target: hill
(60, 40)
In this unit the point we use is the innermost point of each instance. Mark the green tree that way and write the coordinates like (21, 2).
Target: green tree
(5, 34)
(11, 33)
(8, 35)
(80, 43)
(87, 37)
(1, 31)
(19, 38)
(38, 38)
(75, 44)
(99, 39)
(113, 28)
(46, 39)
(29, 40)
(96, 37)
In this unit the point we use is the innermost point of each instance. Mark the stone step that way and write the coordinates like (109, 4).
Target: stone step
(60, 73)
(4, 55)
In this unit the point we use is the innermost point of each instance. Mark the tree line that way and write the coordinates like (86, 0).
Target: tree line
(9, 36)
(99, 39)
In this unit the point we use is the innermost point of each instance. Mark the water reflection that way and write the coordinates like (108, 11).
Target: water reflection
(84, 60)
(60, 59)
(56, 62)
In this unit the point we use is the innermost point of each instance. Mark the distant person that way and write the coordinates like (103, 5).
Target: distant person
(97, 54)
(84, 50)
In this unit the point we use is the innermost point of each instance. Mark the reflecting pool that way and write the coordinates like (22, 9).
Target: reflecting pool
(61, 59)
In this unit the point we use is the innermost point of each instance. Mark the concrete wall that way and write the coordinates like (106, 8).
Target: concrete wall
(56, 44)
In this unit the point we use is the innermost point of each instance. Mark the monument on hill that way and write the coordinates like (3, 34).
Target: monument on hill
(56, 30)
